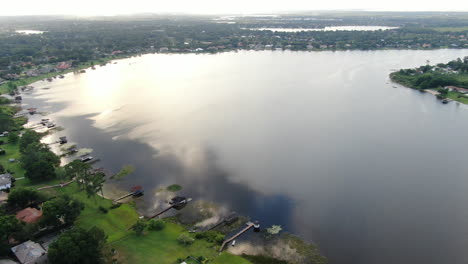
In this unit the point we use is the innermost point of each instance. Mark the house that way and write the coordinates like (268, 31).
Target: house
(64, 65)
(5, 181)
(29, 215)
(457, 89)
(30, 253)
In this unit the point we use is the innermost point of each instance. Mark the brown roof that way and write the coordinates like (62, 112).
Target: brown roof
(29, 215)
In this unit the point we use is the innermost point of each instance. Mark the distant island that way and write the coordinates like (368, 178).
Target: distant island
(447, 81)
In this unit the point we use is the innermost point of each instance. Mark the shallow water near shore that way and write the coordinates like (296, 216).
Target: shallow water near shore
(318, 142)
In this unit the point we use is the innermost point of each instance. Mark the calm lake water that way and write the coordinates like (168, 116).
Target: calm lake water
(318, 142)
(337, 28)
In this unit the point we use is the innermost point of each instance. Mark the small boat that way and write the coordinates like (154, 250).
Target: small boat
(445, 101)
(86, 159)
(73, 150)
(63, 140)
(61, 76)
(82, 71)
(50, 125)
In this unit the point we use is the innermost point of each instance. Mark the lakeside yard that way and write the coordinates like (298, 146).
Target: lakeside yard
(161, 246)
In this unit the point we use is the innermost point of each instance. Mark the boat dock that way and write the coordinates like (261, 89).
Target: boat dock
(228, 220)
(177, 203)
(255, 225)
(136, 191)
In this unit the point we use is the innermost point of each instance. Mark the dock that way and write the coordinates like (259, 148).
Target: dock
(228, 220)
(177, 203)
(249, 225)
(136, 192)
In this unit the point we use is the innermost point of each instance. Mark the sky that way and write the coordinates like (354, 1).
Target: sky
(117, 7)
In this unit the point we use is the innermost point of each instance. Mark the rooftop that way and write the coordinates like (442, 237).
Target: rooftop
(30, 253)
(29, 215)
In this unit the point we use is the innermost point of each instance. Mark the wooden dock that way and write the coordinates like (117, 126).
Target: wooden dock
(128, 194)
(162, 212)
(249, 225)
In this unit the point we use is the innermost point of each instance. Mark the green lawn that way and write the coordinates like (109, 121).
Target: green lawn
(454, 96)
(162, 247)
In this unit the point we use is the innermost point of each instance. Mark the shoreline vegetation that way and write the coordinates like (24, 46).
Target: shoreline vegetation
(447, 81)
(123, 243)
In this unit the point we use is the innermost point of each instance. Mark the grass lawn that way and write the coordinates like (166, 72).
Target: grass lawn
(12, 152)
(162, 247)
(454, 96)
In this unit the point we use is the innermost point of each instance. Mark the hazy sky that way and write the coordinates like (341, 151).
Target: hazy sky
(113, 7)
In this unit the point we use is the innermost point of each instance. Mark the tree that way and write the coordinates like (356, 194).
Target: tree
(29, 137)
(22, 197)
(139, 227)
(62, 209)
(13, 138)
(78, 246)
(76, 169)
(39, 162)
(87, 180)
(156, 224)
(9, 225)
(95, 183)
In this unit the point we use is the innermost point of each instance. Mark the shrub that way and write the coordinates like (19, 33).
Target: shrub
(116, 205)
(156, 224)
(103, 210)
(139, 227)
(210, 236)
(185, 239)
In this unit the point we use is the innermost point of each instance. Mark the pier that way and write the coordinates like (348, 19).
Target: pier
(228, 220)
(255, 225)
(136, 192)
(177, 203)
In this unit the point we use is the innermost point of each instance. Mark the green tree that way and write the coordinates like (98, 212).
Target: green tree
(78, 246)
(39, 162)
(13, 137)
(156, 224)
(9, 225)
(76, 169)
(62, 209)
(22, 197)
(29, 137)
(139, 227)
(95, 183)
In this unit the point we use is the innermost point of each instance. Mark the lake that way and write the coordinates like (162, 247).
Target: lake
(334, 28)
(318, 142)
